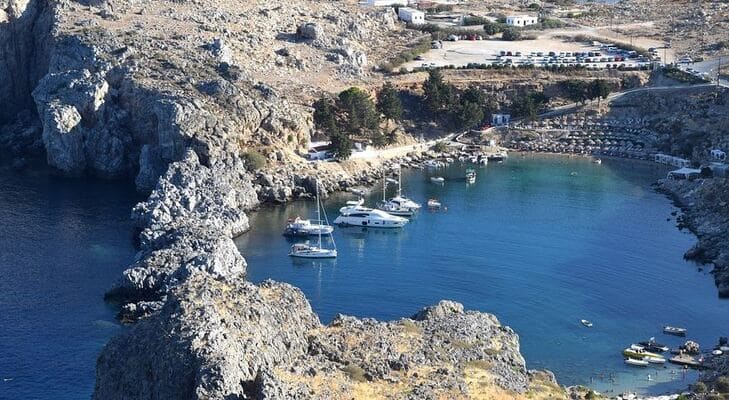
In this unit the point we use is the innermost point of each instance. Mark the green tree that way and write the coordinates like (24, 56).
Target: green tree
(699, 387)
(599, 89)
(325, 118)
(527, 104)
(511, 33)
(577, 91)
(360, 115)
(388, 103)
(474, 95)
(438, 94)
(469, 115)
(491, 28)
(342, 145)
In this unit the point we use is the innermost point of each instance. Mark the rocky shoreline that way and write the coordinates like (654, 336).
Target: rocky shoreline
(706, 213)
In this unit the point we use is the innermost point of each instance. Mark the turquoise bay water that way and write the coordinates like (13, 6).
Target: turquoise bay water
(63, 242)
(531, 242)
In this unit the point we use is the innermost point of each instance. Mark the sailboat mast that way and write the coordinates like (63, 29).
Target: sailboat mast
(399, 181)
(318, 211)
(384, 185)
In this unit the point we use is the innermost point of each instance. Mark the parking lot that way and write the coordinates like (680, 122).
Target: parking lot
(538, 53)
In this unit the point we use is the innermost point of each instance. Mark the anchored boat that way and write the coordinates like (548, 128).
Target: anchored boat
(299, 227)
(639, 353)
(637, 363)
(672, 330)
(586, 323)
(437, 179)
(653, 346)
(398, 205)
(305, 250)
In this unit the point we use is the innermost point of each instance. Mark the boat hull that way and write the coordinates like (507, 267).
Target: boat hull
(314, 254)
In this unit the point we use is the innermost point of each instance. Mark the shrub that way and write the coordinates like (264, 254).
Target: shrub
(472, 20)
(492, 28)
(722, 384)
(440, 146)
(355, 373)
(253, 160)
(551, 23)
(511, 34)
(699, 387)
(590, 395)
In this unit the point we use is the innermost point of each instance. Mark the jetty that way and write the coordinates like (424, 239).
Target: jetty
(686, 360)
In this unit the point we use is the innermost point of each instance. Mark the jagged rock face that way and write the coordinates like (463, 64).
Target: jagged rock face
(706, 213)
(187, 225)
(225, 339)
(210, 341)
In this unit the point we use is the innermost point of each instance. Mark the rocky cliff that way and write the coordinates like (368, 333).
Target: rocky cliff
(706, 213)
(120, 89)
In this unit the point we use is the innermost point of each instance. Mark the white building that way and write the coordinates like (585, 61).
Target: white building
(500, 119)
(411, 15)
(386, 3)
(521, 20)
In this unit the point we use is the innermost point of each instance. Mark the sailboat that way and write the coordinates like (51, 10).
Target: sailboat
(305, 250)
(398, 205)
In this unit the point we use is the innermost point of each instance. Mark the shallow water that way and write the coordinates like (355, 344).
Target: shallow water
(541, 242)
(63, 242)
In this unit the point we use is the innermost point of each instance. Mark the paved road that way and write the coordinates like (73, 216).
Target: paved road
(617, 95)
(711, 67)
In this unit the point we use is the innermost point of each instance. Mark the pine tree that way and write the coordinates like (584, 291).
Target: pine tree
(388, 103)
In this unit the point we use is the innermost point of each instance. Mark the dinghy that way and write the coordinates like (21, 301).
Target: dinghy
(437, 179)
(586, 323)
(637, 363)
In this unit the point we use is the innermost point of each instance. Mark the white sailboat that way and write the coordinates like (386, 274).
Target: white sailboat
(398, 205)
(305, 250)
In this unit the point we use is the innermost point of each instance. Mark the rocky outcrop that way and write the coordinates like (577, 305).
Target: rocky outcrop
(186, 227)
(706, 214)
(220, 339)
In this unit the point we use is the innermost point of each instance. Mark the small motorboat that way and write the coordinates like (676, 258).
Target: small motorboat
(299, 227)
(597, 161)
(637, 363)
(655, 360)
(433, 203)
(437, 179)
(470, 176)
(717, 352)
(653, 346)
(672, 330)
(639, 354)
(586, 323)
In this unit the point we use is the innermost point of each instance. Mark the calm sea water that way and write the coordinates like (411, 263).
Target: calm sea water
(541, 242)
(63, 242)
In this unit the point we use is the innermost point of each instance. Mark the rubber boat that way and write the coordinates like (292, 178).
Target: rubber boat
(672, 330)
(635, 353)
(637, 363)
(433, 203)
(437, 179)
(586, 323)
